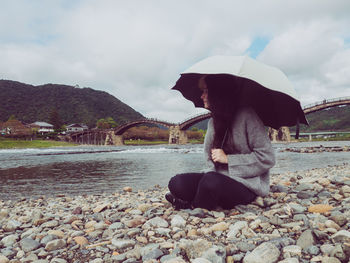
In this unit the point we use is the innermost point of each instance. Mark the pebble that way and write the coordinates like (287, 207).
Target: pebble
(305, 218)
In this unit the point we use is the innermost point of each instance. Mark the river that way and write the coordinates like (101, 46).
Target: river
(29, 173)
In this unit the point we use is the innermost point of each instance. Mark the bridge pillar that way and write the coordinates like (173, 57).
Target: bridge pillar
(112, 139)
(177, 136)
(272, 134)
(282, 134)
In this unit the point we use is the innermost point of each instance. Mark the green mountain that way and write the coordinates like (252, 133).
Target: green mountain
(74, 105)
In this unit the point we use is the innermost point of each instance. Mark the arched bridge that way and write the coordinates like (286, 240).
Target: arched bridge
(177, 130)
(321, 105)
(124, 127)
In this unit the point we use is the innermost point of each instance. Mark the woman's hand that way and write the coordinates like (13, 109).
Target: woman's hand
(218, 155)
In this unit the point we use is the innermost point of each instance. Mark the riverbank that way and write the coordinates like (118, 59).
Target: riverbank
(20, 144)
(305, 218)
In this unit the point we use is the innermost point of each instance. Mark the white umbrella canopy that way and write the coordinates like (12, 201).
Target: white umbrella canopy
(265, 88)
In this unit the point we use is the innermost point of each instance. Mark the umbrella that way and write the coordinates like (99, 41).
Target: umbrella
(265, 88)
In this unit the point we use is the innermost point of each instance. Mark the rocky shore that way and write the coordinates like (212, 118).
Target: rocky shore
(317, 149)
(306, 218)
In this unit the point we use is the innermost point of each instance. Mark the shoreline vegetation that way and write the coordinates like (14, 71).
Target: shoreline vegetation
(7, 143)
(21, 144)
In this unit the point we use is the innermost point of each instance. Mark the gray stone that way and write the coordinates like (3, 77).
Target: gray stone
(215, 254)
(157, 222)
(50, 224)
(245, 246)
(55, 244)
(153, 254)
(117, 225)
(306, 194)
(178, 221)
(28, 244)
(279, 188)
(338, 253)
(195, 249)
(291, 251)
(306, 239)
(313, 250)
(304, 187)
(266, 252)
(47, 239)
(119, 258)
(297, 209)
(8, 252)
(324, 194)
(12, 225)
(341, 236)
(9, 240)
(235, 229)
(277, 221)
(339, 218)
(282, 242)
(326, 249)
(198, 212)
(121, 244)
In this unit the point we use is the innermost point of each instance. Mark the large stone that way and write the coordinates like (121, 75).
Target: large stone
(306, 239)
(12, 225)
(178, 221)
(156, 222)
(342, 236)
(9, 240)
(28, 244)
(215, 254)
(195, 249)
(222, 226)
(55, 245)
(266, 252)
(121, 244)
(235, 229)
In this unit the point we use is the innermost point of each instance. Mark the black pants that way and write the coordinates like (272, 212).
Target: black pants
(210, 190)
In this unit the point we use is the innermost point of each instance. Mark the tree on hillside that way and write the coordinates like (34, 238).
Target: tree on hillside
(55, 120)
(12, 117)
(106, 123)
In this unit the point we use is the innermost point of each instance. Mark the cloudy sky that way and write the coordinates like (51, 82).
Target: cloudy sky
(136, 49)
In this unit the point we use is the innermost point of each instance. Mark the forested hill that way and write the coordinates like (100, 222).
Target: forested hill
(74, 105)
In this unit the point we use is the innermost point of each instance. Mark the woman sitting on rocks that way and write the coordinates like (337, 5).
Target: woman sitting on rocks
(237, 150)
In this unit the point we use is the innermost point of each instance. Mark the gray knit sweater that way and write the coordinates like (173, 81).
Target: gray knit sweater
(251, 153)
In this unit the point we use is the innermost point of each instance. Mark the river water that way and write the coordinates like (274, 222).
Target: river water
(27, 173)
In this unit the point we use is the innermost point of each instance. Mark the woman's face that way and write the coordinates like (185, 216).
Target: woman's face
(203, 87)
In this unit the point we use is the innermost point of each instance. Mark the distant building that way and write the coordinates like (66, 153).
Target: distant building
(76, 127)
(43, 127)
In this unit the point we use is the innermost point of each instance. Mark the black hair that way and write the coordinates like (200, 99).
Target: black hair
(223, 96)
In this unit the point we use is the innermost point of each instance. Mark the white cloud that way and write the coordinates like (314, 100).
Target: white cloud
(135, 50)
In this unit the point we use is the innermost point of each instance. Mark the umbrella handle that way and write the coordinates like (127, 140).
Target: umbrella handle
(224, 139)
